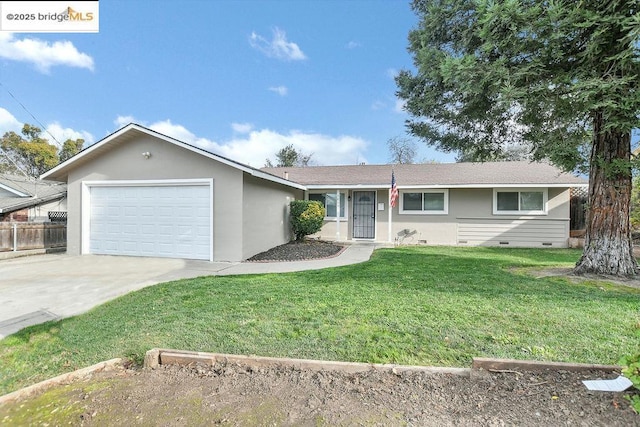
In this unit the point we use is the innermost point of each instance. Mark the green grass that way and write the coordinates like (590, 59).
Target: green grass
(419, 305)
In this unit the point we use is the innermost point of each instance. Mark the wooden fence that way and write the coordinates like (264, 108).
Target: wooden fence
(19, 236)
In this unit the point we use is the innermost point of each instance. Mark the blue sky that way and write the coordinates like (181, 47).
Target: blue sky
(238, 78)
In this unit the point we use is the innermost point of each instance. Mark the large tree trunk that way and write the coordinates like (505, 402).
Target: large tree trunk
(608, 248)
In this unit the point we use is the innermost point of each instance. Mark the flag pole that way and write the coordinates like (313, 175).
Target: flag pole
(390, 217)
(390, 220)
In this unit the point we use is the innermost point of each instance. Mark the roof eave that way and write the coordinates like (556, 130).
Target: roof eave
(33, 202)
(60, 172)
(14, 191)
(269, 177)
(495, 185)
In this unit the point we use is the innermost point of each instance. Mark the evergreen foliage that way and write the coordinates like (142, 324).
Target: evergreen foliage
(307, 217)
(290, 157)
(558, 77)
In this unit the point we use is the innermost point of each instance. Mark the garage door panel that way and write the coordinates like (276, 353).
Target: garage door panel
(130, 229)
(146, 246)
(147, 229)
(164, 221)
(130, 210)
(183, 212)
(184, 229)
(109, 245)
(130, 246)
(171, 252)
(200, 231)
(111, 211)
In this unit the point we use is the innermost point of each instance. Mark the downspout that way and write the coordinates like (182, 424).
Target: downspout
(15, 237)
(337, 215)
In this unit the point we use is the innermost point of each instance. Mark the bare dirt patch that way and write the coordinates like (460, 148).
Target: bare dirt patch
(567, 273)
(238, 395)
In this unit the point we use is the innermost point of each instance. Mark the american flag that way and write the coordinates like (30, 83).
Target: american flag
(393, 198)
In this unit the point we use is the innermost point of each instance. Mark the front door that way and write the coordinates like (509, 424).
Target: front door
(364, 214)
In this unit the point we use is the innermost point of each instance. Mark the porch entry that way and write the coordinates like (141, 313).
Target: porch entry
(364, 214)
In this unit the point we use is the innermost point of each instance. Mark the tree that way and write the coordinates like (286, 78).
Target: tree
(289, 157)
(509, 153)
(31, 154)
(402, 150)
(70, 148)
(561, 76)
(307, 217)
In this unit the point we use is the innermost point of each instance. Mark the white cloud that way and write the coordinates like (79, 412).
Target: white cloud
(8, 122)
(181, 133)
(242, 127)
(325, 149)
(256, 146)
(61, 134)
(278, 47)
(43, 54)
(280, 90)
(122, 121)
(400, 104)
(392, 73)
(352, 44)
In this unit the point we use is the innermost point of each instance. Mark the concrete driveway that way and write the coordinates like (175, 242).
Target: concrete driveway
(38, 288)
(35, 289)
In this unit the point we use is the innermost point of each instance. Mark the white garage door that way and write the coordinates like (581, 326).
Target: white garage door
(155, 221)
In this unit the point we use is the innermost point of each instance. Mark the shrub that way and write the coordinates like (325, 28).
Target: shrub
(307, 217)
(631, 370)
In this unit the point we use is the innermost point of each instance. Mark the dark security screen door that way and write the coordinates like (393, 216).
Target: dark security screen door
(364, 214)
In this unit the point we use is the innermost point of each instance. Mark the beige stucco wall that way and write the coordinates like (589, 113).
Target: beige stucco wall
(382, 216)
(464, 204)
(476, 205)
(167, 161)
(331, 230)
(265, 207)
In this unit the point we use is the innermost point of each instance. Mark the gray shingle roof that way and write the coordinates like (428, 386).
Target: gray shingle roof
(37, 192)
(436, 174)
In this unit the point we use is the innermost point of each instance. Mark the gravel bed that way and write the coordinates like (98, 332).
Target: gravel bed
(299, 251)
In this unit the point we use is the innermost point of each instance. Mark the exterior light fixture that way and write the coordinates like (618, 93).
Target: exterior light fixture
(146, 155)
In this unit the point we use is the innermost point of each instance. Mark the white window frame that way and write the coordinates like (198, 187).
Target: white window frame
(346, 204)
(545, 200)
(444, 191)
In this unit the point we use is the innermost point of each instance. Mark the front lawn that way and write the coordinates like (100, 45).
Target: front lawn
(410, 305)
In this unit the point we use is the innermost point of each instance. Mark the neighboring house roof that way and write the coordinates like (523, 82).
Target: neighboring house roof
(131, 131)
(20, 192)
(471, 175)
